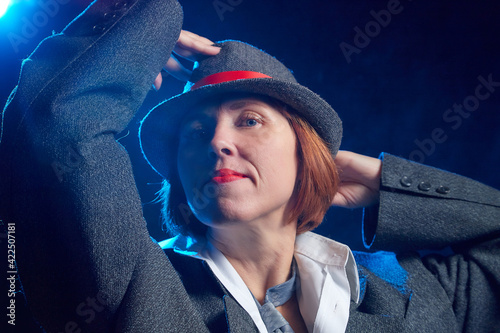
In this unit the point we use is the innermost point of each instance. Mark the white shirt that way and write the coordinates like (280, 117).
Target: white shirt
(327, 279)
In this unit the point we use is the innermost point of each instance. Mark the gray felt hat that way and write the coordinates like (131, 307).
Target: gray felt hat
(238, 68)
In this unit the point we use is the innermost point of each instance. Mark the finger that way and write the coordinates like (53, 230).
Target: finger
(196, 37)
(176, 69)
(359, 168)
(157, 82)
(190, 45)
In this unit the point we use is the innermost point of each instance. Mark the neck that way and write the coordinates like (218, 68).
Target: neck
(261, 256)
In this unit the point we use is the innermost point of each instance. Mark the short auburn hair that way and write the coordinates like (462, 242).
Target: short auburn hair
(316, 184)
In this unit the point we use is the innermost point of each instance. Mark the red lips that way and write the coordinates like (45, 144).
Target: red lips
(226, 176)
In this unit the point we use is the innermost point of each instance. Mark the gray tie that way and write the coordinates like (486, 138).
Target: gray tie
(276, 296)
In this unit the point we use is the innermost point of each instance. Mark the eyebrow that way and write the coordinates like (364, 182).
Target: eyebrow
(200, 115)
(237, 105)
(190, 118)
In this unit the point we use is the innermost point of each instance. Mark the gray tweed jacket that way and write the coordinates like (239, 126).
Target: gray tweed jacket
(86, 261)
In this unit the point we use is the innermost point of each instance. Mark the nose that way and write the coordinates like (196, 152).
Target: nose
(222, 143)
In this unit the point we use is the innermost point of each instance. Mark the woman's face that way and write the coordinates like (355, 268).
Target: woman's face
(237, 162)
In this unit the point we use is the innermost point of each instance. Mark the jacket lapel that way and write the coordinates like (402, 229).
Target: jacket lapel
(238, 319)
(382, 306)
(219, 310)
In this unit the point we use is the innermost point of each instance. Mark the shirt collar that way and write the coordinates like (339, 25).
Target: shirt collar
(202, 249)
(316, 247)
(331, 254)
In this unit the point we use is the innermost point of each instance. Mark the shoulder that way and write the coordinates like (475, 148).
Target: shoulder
(384, 265)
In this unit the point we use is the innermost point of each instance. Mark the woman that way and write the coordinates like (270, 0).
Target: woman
(238, 146)
(252, 168)
(254, 173)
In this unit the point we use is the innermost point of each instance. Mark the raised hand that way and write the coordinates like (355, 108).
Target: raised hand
(188, 46)
(359, 180)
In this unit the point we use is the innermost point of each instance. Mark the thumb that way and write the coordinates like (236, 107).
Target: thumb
(157, 82)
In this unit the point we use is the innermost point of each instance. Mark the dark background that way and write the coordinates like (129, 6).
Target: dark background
(391, 95)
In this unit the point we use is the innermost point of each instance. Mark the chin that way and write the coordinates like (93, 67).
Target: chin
(225, 216)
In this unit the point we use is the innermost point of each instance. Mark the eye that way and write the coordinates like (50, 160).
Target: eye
(251, 122)
(197, 133)
(193, 133)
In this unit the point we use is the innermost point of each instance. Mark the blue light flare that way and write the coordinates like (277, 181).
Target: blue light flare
(4, 5)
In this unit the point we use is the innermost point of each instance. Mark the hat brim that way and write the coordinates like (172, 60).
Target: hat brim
(159, 129)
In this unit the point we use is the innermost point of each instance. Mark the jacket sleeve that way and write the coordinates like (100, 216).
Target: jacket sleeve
(84, 256)
(423, 208)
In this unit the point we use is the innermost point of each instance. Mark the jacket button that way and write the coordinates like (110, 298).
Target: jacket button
(406, 181)
(99, 28)
(109, 16)
(443, 189)
(120, 5)
(424, 186)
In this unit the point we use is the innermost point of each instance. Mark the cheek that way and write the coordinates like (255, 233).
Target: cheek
(181, 165)
(186, 168)
(279, 162)
(194, 169)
